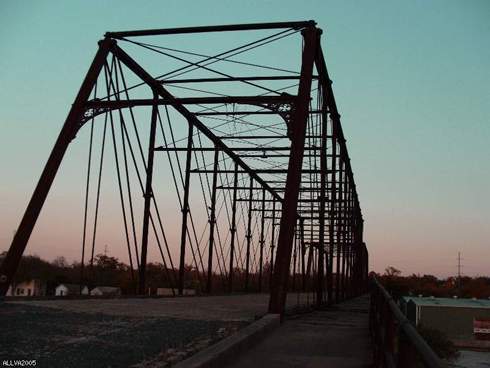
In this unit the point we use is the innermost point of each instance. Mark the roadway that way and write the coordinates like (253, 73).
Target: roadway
(336, 337)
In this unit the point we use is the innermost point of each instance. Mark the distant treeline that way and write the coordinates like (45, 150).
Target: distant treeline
(429, 285)
(109, 271)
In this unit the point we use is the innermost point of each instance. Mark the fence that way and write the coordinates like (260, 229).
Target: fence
(396, 341)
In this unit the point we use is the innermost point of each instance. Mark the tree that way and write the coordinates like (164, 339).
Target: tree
(391, 271)
(108, 271)
(106, 262)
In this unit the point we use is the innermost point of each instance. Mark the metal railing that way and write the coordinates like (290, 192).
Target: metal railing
(396, 341)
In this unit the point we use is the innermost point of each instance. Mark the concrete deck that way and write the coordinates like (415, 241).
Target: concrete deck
(338, 337)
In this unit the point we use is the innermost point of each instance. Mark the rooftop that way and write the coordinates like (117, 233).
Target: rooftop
(448, 302)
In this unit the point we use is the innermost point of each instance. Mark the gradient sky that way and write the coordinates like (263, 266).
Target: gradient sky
(412, 82)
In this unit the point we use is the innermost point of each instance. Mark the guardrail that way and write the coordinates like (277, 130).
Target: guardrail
(396, 341)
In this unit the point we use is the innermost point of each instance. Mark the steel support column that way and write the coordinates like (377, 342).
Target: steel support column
(185, 208)
(249, 233)
(212, 221)
(346, 237)
(333, 229)
(341, 221)
(273, 238)
(303, 254)
(290, 202)
(148, 196)
(233, 229)
(322, 199)
(262, 240)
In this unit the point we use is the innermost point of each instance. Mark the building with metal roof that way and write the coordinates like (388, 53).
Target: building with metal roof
(454, 316)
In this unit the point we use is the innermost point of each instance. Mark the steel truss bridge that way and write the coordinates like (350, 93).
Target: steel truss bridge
(256, 190)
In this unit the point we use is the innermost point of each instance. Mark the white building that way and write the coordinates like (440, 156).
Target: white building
(105, 291)
(168, 291)
(33, 287)
(67, 289)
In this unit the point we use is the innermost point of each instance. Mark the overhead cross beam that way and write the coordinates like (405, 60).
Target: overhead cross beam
(192, 119)
(205, 29)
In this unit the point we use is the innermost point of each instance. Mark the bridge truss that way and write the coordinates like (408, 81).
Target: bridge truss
(255, 153)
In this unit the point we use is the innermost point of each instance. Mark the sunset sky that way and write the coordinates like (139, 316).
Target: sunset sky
(412, 83)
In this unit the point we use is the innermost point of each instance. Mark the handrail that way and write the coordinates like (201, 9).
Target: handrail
(397, 342)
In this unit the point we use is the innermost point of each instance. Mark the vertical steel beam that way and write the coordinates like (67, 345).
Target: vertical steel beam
(70, 128)
(366, 268)
(289, 208)
(348, 193)
(273, 239)
(321, 214)
(148, 196)
(295, 255)
(303, 253)
(233, 229)
(308, 263)
(333, 229)
(262, 240)
(350, 248)
(249, 233)
(185, 208)
(341, 220)
(314, 262)
(212, 220)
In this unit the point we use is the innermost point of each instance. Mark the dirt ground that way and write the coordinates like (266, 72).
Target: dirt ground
(60, 338)
(122, 332)
(245, 307)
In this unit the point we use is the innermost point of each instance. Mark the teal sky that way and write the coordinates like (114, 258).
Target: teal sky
(412, 82)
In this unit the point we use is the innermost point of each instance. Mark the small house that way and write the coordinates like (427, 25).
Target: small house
(34, 287)
(170, 292)
(67, 289)
(105, 291)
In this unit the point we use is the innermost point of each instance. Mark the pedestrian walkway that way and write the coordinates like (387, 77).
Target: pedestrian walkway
(337, 337)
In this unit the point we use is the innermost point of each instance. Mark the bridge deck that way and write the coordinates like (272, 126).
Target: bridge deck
(338, 337)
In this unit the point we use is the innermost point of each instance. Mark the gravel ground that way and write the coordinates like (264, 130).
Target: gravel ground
(245, 307)
(61, 338)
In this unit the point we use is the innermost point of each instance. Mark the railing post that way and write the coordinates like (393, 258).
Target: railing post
(390, 336)
(396, 341)
(407, 355)
(378, 328)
